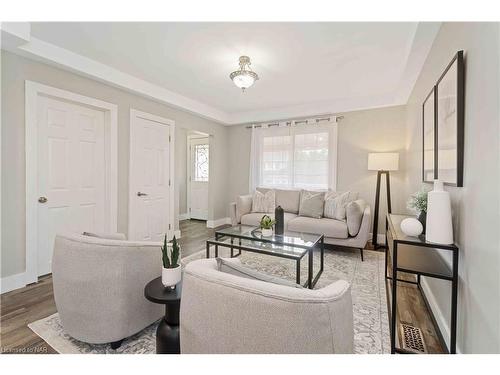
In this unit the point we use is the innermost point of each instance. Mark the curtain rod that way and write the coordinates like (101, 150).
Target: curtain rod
(289, 123)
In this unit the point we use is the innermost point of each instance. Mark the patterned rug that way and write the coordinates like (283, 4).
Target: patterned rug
(371, 325)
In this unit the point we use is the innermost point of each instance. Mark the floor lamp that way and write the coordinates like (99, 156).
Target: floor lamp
(383, 163)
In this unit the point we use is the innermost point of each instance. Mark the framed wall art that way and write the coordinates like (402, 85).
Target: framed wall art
(428, 139)
(443, 126)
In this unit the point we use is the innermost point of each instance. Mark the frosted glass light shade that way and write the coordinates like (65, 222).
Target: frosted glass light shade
(383, 161)
(243, 81)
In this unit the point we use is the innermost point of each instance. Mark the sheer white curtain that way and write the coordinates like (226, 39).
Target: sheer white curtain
(300, 156)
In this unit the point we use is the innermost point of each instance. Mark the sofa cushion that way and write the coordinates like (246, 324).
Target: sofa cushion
(311, 204)
(329, 227)
(289, 200)
(237, 269)
(335, 204)
(354, 214)
(264, 202)
(253, 218)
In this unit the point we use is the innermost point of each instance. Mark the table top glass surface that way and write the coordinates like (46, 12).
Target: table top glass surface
(253, 234)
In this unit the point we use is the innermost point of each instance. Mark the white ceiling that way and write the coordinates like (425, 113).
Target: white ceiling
(305, 68)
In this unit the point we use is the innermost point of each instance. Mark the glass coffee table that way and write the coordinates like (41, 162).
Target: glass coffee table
(290, 245)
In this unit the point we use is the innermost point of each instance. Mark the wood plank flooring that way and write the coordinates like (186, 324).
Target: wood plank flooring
(36, 301)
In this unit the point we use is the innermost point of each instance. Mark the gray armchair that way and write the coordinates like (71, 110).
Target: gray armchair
(224, 313)
(99, 286)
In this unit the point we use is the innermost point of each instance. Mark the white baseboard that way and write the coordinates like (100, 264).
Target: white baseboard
(436, 311)
(184, 216)
(218, 222)
(177, 233)
(12, 282)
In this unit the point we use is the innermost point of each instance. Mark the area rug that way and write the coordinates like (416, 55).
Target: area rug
(371, 325)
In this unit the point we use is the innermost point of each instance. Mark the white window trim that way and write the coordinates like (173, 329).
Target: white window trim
(33, 91)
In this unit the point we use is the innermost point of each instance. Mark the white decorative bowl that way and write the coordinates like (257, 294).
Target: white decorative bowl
(412, 227)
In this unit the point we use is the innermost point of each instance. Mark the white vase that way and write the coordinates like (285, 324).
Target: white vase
(171, 276)
(439, 227)
(267, 232)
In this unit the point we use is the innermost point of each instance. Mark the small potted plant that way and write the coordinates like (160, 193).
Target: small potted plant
(171, 272)
(266, 226)
(418, 203)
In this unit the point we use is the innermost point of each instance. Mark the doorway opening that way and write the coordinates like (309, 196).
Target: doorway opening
(198, 175)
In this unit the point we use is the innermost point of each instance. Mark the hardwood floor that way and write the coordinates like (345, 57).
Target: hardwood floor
(36, 301)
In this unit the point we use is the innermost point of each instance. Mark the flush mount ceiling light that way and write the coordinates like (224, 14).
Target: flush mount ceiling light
(245, 77)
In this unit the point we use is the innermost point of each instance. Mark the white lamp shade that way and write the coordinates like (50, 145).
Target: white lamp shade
(383, 161)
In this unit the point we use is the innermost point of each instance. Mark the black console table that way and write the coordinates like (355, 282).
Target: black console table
(416, 256)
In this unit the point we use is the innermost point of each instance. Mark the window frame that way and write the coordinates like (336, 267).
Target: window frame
(293, 131)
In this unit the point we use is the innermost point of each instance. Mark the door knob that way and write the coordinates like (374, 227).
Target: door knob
(139, 194)
(42, 200)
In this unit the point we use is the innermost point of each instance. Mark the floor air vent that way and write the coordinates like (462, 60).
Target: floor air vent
(413, 339)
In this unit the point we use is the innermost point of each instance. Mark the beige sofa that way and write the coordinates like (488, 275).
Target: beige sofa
(99, 286)
(224, 313)
(336, 232)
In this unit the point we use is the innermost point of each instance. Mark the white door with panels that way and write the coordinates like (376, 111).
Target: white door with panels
(71, 159)
(198, 178)
(151, 177)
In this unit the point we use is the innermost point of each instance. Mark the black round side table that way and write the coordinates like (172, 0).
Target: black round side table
(167, 333)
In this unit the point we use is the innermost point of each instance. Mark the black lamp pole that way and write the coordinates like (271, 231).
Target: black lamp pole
(377, 203)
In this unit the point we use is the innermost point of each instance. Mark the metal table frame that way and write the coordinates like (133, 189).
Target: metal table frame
(392, 244)
(309, 250)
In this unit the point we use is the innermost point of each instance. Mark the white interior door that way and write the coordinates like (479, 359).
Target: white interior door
(71, 173)
(198, 178)
(151, 184)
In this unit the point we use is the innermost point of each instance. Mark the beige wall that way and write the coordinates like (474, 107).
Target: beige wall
(15, 70)
(476, 205)
(360, 132)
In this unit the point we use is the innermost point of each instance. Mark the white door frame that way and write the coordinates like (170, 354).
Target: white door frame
(33, 91)
(189, 168)
(134, 115)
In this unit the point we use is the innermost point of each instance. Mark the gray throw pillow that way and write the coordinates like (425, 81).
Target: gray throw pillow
(263, 202)
(311, 204)
(354, 213)
(236, 269)
(335, 204)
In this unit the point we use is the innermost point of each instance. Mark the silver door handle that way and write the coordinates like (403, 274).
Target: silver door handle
(139, 194)
(42, 200)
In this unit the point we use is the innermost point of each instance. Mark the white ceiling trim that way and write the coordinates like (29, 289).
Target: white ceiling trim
(39, 50)
(48, 53)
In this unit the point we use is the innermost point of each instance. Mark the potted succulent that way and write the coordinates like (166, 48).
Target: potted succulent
(266, 226)
(418, 203)
(171, 272)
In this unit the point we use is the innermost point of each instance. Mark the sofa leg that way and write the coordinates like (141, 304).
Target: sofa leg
(115, 345)
(361, 249)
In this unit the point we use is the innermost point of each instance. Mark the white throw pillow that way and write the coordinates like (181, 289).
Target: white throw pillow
(263, 202)
(335, 205)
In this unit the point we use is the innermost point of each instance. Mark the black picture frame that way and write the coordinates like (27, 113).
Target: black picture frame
(429, 168)
(451, 159)
(449, 111)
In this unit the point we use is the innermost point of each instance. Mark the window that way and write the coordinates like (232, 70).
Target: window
(301, 157)
(201, 163)
(311, 161)
(276, 161)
